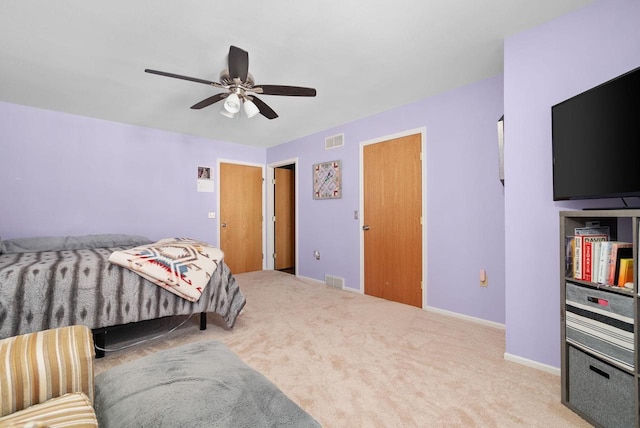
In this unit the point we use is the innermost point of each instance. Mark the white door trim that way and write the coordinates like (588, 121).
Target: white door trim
(270, 265)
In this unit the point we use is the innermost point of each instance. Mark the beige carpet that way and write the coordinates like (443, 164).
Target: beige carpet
(357, 361)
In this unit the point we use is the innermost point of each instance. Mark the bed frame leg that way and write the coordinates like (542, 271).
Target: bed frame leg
(203, 320)
(99, 339)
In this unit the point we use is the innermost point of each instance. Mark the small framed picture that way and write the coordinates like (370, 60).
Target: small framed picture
(327, 180)
(204, 173)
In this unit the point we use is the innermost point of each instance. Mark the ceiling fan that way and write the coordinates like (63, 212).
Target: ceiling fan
(241, 88)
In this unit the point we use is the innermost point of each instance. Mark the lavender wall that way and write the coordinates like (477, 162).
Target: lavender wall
(62, 174)
(465, 201)
(544, 66)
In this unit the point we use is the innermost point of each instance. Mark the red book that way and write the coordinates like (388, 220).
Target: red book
(587, 252)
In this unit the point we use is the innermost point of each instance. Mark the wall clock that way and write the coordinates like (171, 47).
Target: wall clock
(327, 180)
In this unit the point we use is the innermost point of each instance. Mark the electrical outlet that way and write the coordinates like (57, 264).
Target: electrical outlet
(484, 282)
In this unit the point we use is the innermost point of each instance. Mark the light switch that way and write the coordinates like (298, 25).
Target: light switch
(212, 214)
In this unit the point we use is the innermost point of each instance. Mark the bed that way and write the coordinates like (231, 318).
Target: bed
(51, 282)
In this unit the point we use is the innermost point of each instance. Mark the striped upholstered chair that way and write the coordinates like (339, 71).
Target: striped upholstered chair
(46, 379)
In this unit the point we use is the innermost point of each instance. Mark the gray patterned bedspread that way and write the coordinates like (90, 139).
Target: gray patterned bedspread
(48, 289)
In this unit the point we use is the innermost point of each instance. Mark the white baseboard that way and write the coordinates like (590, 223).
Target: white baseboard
(306, 278)
(533, 364)
(466, 317)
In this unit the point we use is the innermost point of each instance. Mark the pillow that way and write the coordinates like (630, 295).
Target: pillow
(59, 243)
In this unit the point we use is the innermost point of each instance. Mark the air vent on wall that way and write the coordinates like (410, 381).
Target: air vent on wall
(334, 281)
(334, 141)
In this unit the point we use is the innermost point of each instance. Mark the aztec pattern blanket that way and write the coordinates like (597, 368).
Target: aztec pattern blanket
(180, 265)
(47, 289)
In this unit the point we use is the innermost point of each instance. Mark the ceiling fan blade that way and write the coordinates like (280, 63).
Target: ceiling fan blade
(178, 76)
(238, 63)
(207, 102)
(265, 110)
(292, 91)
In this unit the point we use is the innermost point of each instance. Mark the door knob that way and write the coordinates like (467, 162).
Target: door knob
(223, 225)
(366, 227)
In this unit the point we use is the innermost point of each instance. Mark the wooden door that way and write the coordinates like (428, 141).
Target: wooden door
(241, 216)
(285, 218)
(392, 192)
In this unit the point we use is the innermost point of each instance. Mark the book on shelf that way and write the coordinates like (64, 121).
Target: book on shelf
(577, 257)
(619, 250)
(586, 260)
(569, 270)
(595, 260)
(625, 274)
(588, 251)
(603, 268)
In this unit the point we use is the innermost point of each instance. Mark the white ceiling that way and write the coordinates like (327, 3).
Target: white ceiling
(363, 57)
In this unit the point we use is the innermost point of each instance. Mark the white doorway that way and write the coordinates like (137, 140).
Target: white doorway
(292, 165)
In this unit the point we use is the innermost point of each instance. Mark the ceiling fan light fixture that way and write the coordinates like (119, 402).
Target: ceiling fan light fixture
(250, 109)
(237, 81)
(232, 103)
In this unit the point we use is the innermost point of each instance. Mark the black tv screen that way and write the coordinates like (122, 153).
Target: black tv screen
(596, 141)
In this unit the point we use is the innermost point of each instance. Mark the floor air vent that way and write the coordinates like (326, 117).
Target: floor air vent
(334, 281)
(334, 141)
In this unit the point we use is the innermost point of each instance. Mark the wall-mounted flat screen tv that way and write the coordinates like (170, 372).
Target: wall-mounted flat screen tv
(596, 141)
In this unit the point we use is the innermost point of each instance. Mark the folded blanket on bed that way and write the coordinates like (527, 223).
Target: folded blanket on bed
(182, 266)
